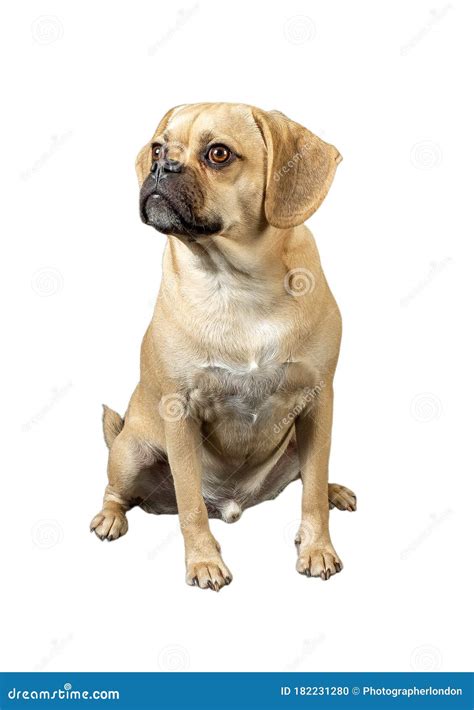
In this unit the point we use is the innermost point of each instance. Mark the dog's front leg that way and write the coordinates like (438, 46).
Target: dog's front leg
(316, 555)
(204, 565)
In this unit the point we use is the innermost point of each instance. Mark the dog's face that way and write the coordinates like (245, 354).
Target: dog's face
(215, 168)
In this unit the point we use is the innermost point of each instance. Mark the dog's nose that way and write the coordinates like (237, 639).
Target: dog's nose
(172, 166)
(165, 165)
(161, 168)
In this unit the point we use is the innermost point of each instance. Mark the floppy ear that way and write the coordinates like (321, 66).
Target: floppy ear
(143, 161)
(300, 169)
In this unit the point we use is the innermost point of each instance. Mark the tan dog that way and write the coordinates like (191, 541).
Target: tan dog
(235, 395)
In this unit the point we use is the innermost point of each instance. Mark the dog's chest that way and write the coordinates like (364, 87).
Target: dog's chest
(242, 377)
(242, 392)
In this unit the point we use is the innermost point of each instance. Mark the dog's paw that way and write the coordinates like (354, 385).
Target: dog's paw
(109, 525)
(341, 497)
(317, 560)
(208, 573)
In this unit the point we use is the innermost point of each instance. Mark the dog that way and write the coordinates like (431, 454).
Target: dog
(235, 397)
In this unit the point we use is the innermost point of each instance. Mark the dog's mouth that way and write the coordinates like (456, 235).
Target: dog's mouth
(166, 215)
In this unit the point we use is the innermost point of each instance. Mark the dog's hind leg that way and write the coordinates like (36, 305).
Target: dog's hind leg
(129, 455)
(341, 497)
(286, 470)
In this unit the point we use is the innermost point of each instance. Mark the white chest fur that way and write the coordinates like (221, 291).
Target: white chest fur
(235, 331)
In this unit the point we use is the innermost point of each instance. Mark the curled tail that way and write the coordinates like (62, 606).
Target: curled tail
(112, 424)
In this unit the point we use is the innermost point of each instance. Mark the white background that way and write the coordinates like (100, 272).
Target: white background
(390, 85)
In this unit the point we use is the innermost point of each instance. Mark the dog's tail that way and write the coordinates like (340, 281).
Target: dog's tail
(112, 424)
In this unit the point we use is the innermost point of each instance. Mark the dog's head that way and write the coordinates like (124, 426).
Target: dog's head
(212, 168)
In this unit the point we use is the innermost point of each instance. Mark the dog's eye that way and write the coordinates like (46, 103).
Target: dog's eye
(156, 151)
(218, 154)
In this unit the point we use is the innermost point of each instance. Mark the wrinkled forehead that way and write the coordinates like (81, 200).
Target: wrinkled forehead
(204, 123)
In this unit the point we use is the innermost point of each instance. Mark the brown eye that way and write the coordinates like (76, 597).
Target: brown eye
(156, 151)
(218, 154)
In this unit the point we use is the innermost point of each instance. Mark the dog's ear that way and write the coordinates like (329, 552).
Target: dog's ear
(143, 161)
(300, 169)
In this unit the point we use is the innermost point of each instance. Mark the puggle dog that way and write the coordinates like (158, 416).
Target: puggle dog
(235, 397)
